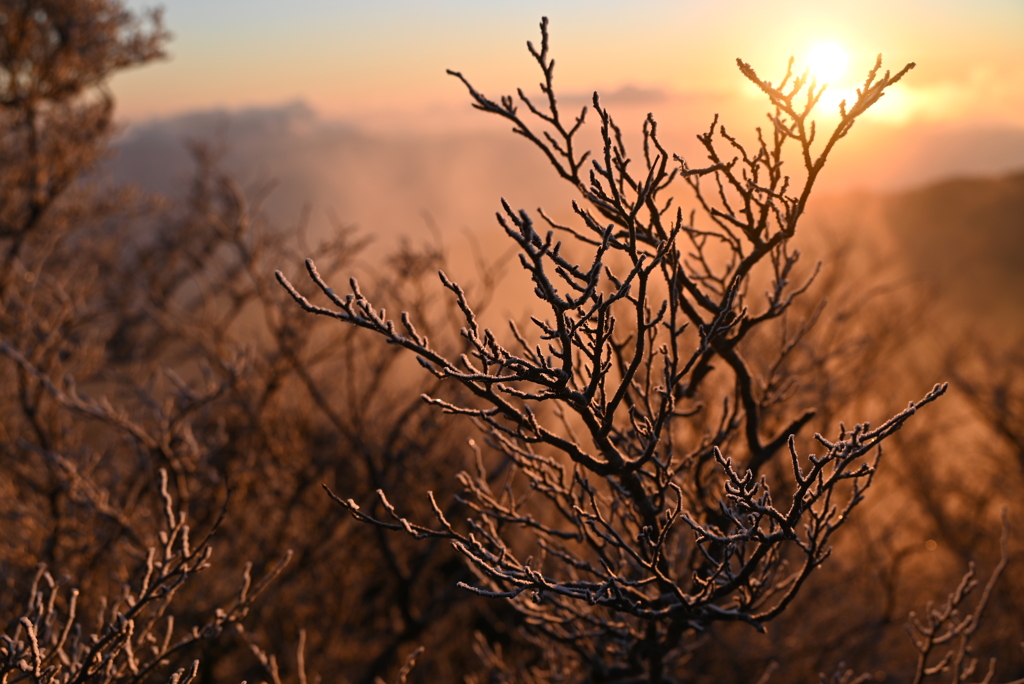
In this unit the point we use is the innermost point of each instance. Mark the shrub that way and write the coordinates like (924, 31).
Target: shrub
(167, 420)
(136, 338)
(609, 514)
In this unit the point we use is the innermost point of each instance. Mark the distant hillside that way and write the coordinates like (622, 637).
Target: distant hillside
(966, 236)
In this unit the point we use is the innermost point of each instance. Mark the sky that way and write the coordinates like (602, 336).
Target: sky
(347, 107)
(382, 64)
(341, 100)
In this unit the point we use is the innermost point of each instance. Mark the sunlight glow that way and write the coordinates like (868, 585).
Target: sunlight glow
(828, 105)
(827, 62)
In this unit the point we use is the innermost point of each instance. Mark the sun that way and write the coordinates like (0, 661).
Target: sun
(827, 62)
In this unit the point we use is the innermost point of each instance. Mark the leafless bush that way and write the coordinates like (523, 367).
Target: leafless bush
(992, 382)
(621, 530)
(621, 494)
(205, 375)
(136, 337)
(135, 633)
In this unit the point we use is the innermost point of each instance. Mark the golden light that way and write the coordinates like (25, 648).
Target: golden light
(827, 62)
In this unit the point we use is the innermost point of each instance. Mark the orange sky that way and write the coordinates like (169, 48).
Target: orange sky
(383, 63)
(388, 138)
(380, 67)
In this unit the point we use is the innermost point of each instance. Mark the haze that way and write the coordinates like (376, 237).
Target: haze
(380, 67)
(348, 107)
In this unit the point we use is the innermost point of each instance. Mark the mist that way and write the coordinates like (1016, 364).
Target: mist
(960, 237)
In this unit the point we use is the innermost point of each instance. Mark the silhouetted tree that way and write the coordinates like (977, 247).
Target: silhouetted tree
(614, 522)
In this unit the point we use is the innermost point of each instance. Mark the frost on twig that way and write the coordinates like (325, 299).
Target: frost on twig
(137, 635)
(942, 633)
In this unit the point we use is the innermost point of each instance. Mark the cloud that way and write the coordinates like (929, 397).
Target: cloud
(628, 95)
(386, 181)
(385, 184)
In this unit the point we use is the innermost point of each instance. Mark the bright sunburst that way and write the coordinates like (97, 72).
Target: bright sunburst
(827, 62)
